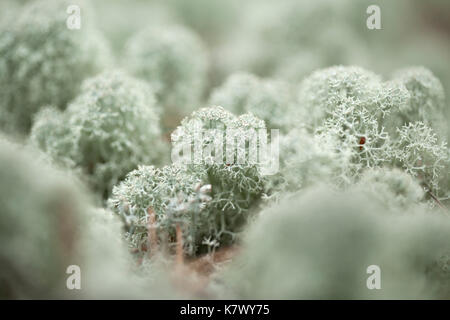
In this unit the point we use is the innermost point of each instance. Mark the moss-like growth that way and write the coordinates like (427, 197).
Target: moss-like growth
(413, 94)
(347, 87)
(420, 153)
(427, 99)
(107, 131)
(236, 183)
(209, 200)
(55, 226)
(169, 194)
(393, 188)
(320, 246)
(354, 116)
(306, 160)
(174, 61)
(43, 62)
(41, 218)
(108, 270)
(269, 100)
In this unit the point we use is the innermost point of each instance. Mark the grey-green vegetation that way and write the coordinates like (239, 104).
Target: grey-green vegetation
(319, 246)
(49, 222)
(364, 176)
(43, 62)
(174, 61)
(210, 201)
(107, 131)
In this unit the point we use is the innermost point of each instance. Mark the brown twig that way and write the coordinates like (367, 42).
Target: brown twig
(179, 247)
(152, 235)
(439, 203)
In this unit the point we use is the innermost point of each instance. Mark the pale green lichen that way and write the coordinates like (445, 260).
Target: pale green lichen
(427, 98)
(236, 185)
(320, 246)
(393, 188)
(269, 100)
(109, 272)
(208, 199)
(43, 62)
(326, 89)
(42, 216)
(353, 115)
(107, 131)
(163, 192)
(420, 153)
(174, 62)
(307, 159)
(355, 130)
(56, 226)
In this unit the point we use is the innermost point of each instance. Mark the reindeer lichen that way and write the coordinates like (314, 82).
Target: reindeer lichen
(427, 98)
(174, 61)
(206, 199)
(269, 100)
(43, 62)
(420, 153)
(320, 245)
(107, 131)
(355, 116)
(393, 188)
(42, 215)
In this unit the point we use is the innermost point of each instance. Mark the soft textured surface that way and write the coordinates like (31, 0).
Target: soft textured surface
(353, 121)
(43, 62)
(224, 149)
(42, 215)
(173, 61)
(269, 100)
(320, 245)
(210, 200)
(108, 130)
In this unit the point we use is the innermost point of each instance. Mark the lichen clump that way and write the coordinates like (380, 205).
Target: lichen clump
(108, 130)
(237, 150)
(56, 226)
(42, 216)
(269, 100)
(43, 62)
(321, 245)
(174, 61)
(362, 122)
(210, 200)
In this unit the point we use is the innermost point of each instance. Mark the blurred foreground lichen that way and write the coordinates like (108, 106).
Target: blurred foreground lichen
(320, 245)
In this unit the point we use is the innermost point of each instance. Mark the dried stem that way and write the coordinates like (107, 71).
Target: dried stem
(439, 203)
(179, 247)
(152, 235)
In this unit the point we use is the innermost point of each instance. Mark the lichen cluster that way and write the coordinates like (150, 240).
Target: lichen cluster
(319, 246)
(43, 62)
(358, 122)
(173, 61)
(56, 225)
(208, 198)
(269, 100)
(205, 149)
(107, 131)
(42, 215)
